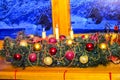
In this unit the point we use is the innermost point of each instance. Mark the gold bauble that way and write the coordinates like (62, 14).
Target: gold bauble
(69, 42)
(86, 36)
(103, 46)
(107, 37)
(48, 60)
(114, 38)
(23, 43)
(37, 46)
(31, 36)
(83, 59)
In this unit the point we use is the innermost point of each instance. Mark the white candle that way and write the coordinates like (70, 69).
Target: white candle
(71, 34)
(44, 33)
(57, 32)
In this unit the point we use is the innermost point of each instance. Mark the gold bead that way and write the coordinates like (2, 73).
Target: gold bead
(23, 43)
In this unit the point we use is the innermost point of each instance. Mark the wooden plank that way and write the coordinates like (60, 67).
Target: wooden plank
(1, 44)
(59, 73)
(61, 16)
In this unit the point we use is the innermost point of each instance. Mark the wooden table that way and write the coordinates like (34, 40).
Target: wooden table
(7, 71)
(59, 73)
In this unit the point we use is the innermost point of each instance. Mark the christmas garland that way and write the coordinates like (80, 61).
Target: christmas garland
(83, 51)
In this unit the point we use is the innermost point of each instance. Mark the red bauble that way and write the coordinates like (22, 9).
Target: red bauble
(52, 50)
(116, 28)
(32, 57)
(52, 40)
(89, 46)
(62, 37)
(69, 55)
(17, 56)
(83, 36)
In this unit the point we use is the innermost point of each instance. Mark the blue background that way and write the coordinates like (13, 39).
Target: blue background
(88, 16)
(30, 16)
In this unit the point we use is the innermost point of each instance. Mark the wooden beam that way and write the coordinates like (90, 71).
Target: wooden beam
(61, 16)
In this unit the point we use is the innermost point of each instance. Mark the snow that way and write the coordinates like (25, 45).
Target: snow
(80, 9)
(16, 15)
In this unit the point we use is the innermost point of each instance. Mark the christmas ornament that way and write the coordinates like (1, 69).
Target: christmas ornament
(89, 46)
(52, 50)
(103, 46)
(114, 37)
(83, 36)
(118, 41)
(17, 56)
(31, 36)
(12, 44)
(52, 40)
(23, 43)
(86, 36)
(114, 59)
(74, 55)
(69, 55)
(32, 57)
(116, 29)
(37, 46)
(69, 42)
(37, 39)
(48, 60)
(94, 37)
(62, 37)
(83, 59)
(107, 37)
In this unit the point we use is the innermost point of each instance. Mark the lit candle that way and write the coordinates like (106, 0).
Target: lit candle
(57, 32)
(71, 34)
(43, 34)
